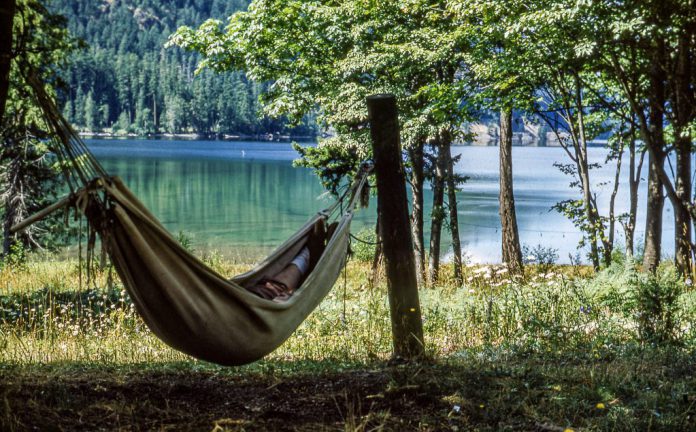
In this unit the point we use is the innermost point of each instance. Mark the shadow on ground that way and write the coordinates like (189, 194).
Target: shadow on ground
(454, 395)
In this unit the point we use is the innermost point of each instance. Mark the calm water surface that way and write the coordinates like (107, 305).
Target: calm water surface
(246, 196)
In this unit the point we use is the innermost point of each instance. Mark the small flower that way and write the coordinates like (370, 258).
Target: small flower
(600, 406)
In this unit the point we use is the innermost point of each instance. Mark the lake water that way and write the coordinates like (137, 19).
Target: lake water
(246, 197)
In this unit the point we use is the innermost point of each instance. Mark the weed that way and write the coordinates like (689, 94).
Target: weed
(542, 256)
(364, 245)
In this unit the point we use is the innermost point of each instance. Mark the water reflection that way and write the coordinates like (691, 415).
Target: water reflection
(230, 195)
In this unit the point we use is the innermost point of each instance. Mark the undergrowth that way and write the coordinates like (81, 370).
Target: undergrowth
(45, 317)
(557, 348)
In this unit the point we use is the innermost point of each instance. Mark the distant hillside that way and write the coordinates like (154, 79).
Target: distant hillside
(126, 81)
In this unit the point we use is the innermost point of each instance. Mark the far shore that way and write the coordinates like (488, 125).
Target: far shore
(200, 136)
(277, 137)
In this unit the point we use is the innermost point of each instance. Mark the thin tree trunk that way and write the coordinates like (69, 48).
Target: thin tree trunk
(633, 183)
(6, 234)
(656, 142)
(653, 219)
(11, 196)
(7, 11)
(452, 206)
(437, 214)
(682, 101)
(584, 173)
(512, 253)
(417, 180)
(682, 219)
(608, 240)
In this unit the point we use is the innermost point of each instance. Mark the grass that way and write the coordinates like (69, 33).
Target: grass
(558, 349)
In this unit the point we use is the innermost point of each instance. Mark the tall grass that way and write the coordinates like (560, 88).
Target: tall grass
(46, 317)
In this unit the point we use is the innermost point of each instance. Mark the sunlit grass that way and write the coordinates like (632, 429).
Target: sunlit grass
(52, 311)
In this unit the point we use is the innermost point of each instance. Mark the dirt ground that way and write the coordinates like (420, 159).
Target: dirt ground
(380, 399)
(408, 397)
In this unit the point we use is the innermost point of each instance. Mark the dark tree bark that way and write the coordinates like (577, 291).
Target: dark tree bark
(438, 214)
(512, 253)
(392, 211)
(682, 101)
(417, 181)
(653, 217)
(655, 139)
(682, 219)
(7, 11)
(452, 207)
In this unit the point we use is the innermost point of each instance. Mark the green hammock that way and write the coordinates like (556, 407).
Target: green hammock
(184, 302)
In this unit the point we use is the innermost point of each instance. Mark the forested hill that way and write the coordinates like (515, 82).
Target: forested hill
(126, 81)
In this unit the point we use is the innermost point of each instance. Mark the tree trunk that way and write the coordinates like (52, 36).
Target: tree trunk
(512, 253)
(12, 195)
(7, 223)
(392, 211)
(595, 227)
(655, 139)
(633, 183)
(682, 219)
(417, 180)
(653, 219)
(438, 214)
(7, 11)
(682, 102)
(608, 240)
(452, 206)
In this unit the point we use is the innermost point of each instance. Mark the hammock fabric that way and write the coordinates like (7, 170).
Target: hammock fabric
(184, 302)
(188, 305)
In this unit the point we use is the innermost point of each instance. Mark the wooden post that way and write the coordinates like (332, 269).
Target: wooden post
(392, 212)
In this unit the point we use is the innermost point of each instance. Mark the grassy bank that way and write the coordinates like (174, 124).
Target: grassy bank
(556, 349)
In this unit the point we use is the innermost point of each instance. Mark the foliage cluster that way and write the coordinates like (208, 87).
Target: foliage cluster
(583, 68)
(27, 172)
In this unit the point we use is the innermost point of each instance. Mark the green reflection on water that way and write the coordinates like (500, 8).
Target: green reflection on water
(225, 204)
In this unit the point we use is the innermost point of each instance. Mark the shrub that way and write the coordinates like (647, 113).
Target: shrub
(364, 245)
(657, 306)
(651, 301)
(544, 257)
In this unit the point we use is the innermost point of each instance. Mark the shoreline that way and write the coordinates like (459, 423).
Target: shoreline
(202, 136)
(274, 137)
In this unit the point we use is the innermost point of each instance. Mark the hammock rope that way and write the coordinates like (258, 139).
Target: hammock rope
(183, 301)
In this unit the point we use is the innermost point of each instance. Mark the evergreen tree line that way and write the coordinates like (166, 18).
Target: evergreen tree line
(125, 81)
